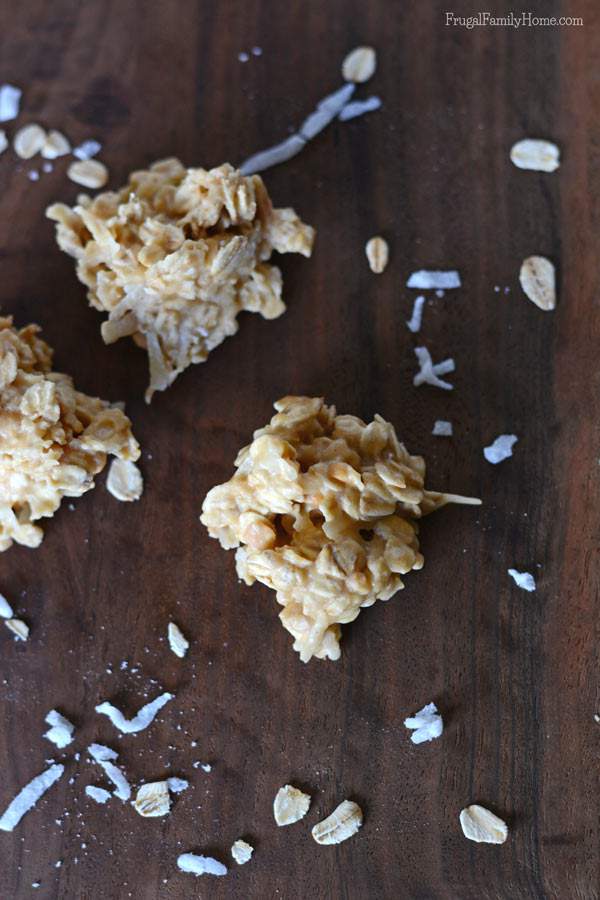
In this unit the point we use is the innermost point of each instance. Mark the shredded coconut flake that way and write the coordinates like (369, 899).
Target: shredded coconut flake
(99, 794)
(327, 110)
(10, 98)
(442, 428)
(5, 608)
(426, 725)
(200, 865)
(501, 448)
(29, 796)
(19, 628)
(414, 323)
(61, 731)
(242, 852)
(524, 580)
(428, 372)
(177, 785)
(359, 108)
(87, 149)
(266, 159)
(426, 280)
(177, 642)
(104, 756)
(140, 721)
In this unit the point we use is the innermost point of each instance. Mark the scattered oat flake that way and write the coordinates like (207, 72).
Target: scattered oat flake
(3, 141)
(358, 108)
(426, 280)
(124, 480)
(18, 628)
(99, 794)
(359, 65)
(500, 449)
(140, 721)
(415, 321)
(90, 173)
(61, 731)
(426, 725)
(29, 796)
(290, 805)
(429, 373)
(5, 608)
(343, 822)
(481, 825)
(177, 642)
(524, 580)
(10, 98)
(241, 852)
(105, 757)
(378, 254)
(200, 865)
(177, 785)
(87, 149)
(29, 140)
(537, 155)
(56, 145)
(538, 280)
(441, 428)
(153, 800)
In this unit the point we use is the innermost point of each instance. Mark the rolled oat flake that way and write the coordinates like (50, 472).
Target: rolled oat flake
(378, 254)
(538, 280)
(343, 822)
(536, 155)
(359, 65)
(481, 825)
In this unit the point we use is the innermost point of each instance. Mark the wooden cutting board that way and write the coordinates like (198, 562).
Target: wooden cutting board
(515, 674)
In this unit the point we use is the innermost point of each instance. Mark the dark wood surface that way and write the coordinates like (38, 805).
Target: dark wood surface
(515, 674)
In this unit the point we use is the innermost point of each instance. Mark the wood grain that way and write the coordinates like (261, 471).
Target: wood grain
(514, 673)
